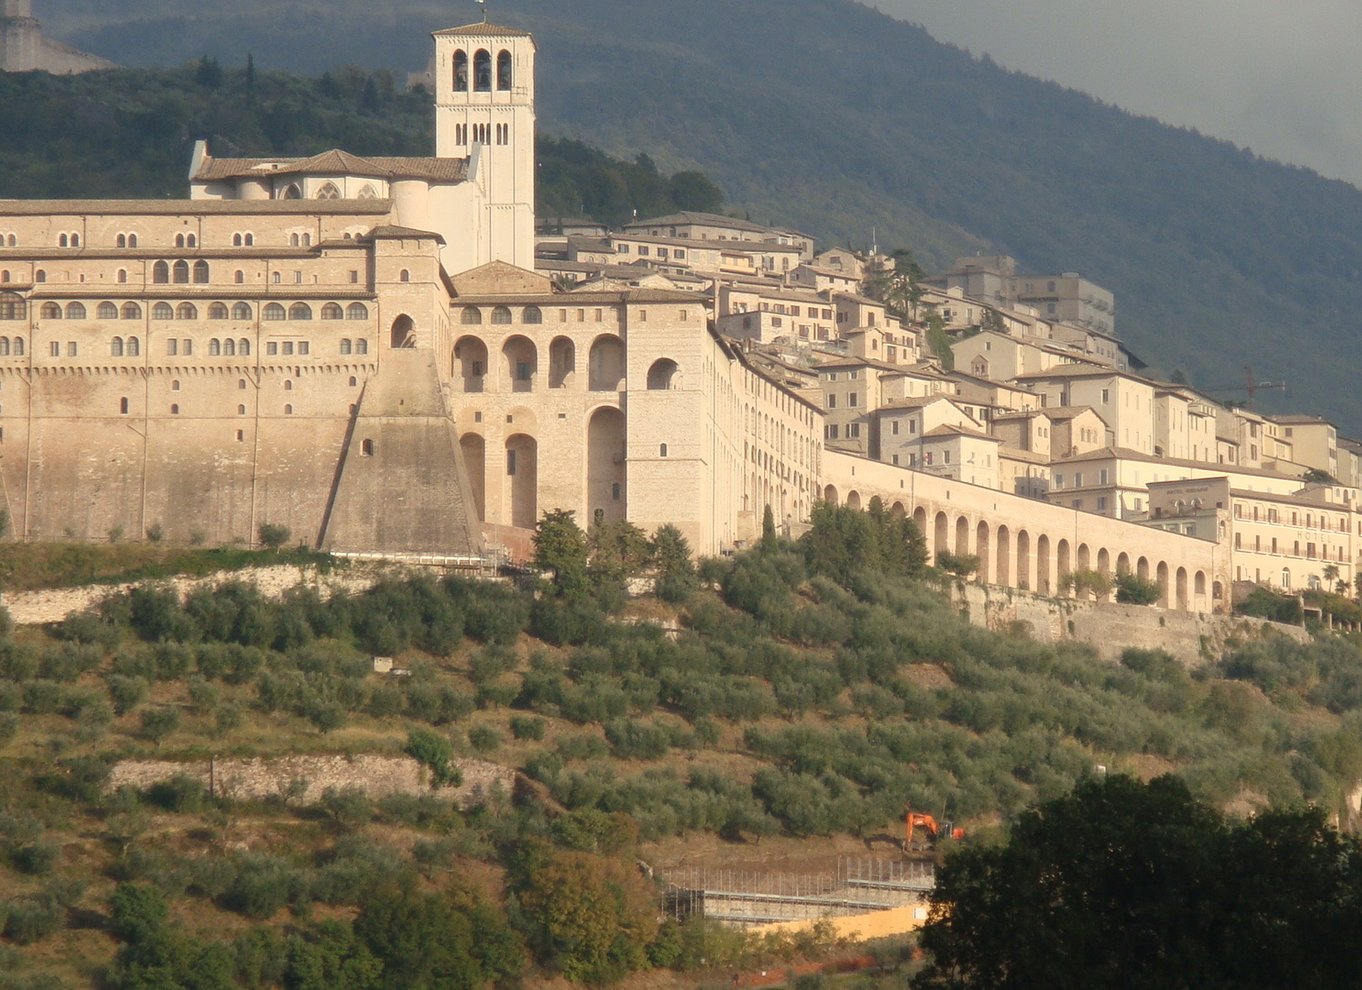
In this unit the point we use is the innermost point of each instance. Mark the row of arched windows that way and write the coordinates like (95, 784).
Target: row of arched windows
(12, 308)
(501, 315)
(302, 311)
(482, 71)
(119, 348)
(5, 347)
(8, 240)
(229, 347)
(185, 240)
(68, 240)
(360, 346)
(163, 273)
(126, 240)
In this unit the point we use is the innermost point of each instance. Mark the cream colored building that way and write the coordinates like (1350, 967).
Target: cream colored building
(1125, 402)
(1025, 544)
(476, 192)
(346, 346)
(1289, 542)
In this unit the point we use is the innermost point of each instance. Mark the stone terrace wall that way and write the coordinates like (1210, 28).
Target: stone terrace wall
(37, 607)
(1191, 637)
(260, 779)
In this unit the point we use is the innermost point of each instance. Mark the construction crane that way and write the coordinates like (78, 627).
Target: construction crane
(1250, 386)
(919, 824)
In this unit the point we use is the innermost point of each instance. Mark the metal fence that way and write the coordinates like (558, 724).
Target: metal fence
(859, 886)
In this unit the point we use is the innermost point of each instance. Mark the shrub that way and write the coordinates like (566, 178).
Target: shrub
(484, 738)
(434, 752)
(157, 723)
(1134, 590)
(1086, 582)
(527, 727)
(348, 807)
(273, 536)
(262, 885)
(33, 918)
(181, 793)
(961, 565)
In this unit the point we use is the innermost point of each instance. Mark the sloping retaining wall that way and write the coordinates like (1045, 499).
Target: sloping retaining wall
(1194, 638)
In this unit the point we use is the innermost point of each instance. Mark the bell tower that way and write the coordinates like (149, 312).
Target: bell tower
(484, 111)
(19, 37)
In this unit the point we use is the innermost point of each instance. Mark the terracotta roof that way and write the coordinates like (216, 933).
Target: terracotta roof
(1126, 454)
(1060, 413)
(914, 402)
(335, 162)
(190, 207)
(390, 231)
(1017, 454)
(481, 29)
(947, 430)
(685, 218)
(859, 362)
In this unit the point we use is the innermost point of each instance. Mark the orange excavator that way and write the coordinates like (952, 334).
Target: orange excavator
(921, 830)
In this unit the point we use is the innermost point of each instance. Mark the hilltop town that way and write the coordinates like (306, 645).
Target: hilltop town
(391, 355)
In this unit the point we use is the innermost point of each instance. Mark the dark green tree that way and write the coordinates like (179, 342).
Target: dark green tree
(1134, 590)
(561, 551)
(676, 579)
(451, 940)
(1132, 885)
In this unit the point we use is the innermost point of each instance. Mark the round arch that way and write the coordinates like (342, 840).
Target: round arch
(605, 364)
(562, 362)
(1043, 579)
(665, 374)
(605, 465)
(1003, 554)
(473, 448)
(403, 334)
(982, 550)
(1023, 559)
(469, 363)
(522, 479)
(520, 363)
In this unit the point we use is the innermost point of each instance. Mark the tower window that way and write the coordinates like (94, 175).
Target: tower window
(482, 71)
(461, 71)
(504, 71)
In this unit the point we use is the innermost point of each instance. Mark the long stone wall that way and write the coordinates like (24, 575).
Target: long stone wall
(28, 608)
(305, 779)
(1193, 638)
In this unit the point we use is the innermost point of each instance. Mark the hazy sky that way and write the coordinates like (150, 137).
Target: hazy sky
(1282, 77)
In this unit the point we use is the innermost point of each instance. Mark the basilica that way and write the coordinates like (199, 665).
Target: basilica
(359, 348)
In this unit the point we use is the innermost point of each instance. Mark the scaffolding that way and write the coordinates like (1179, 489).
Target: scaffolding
(859, 886)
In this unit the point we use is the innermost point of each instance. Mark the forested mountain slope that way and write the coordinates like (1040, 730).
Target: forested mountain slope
(831, 117)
